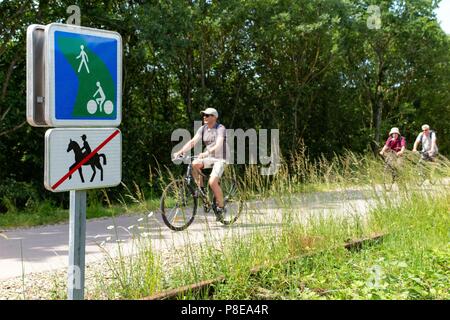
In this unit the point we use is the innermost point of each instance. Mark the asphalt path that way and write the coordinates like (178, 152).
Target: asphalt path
(39, 249)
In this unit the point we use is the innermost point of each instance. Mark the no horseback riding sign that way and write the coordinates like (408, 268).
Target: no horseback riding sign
(82, 158)
(84, 69)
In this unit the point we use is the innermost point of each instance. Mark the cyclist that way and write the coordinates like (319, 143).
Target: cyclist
(213, 136)
(428, 140)
(395, 142)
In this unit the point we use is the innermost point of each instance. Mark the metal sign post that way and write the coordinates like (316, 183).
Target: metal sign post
(77, 245)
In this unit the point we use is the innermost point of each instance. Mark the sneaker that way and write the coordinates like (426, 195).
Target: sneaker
(219, 213)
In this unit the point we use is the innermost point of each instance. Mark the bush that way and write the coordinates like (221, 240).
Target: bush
(17, 195)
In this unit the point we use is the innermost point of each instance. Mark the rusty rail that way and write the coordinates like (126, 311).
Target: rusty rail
(207, 286)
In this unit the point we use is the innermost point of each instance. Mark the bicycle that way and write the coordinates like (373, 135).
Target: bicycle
(179, 201)
(426, 169)
(390, 171)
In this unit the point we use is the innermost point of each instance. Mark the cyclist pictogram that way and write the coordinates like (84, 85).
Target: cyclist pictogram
(107, 107)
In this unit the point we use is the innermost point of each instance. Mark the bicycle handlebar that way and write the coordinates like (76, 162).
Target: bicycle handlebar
(184, 157)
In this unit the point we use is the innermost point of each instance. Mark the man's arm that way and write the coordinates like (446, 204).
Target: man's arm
(403, 144)
(386, 146)
(217, 145)
(188, 146)
(416, 143)
(433, 144)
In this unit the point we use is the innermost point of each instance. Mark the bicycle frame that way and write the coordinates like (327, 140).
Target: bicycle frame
(196, 190)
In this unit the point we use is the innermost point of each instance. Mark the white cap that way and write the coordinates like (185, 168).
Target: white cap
(394, 130)
(425, 127)
(210, 111)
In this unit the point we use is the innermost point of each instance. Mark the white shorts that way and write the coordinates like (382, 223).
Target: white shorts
(217, 165)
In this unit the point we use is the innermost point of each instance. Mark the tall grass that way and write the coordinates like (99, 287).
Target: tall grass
(255, 241)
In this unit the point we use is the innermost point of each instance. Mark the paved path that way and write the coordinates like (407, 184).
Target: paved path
(45, 248)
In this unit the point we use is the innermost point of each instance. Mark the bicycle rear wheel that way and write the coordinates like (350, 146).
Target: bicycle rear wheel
(421, 173)
(178, 205)
(388, 177)
(232, 200)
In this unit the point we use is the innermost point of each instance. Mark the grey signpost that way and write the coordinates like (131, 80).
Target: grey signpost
(77, 245)
(58, 54)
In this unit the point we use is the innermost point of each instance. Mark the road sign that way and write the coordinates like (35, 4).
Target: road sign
(84, 71)
(82, 158)
(35, 75)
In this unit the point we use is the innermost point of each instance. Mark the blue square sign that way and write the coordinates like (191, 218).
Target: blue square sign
(84, 76)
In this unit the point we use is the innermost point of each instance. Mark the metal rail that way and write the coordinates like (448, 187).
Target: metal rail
(207, 286)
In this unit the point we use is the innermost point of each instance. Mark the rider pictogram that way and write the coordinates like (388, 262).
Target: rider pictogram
(104, 106)
(86, 149)
(93, 161)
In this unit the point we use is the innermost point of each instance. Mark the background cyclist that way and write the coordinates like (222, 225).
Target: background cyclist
(213, 136)
(395, 142)
(428, 140)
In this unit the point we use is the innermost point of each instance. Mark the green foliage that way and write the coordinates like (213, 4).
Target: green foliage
(312, 69)
(17, 195)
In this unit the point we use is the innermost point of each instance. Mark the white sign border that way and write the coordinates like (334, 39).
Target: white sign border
(47, 183)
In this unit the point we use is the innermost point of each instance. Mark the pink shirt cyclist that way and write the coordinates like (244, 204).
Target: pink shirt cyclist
(395, 142)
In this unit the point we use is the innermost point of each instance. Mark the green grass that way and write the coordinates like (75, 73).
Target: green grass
(410, 263)
(46, 212)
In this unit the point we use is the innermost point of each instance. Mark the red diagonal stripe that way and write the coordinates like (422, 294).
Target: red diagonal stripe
(86, 159)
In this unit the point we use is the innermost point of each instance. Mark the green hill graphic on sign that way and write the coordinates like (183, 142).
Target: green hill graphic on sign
(96, 94)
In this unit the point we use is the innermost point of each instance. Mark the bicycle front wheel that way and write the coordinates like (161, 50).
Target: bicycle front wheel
(388, 177)
(178, 205)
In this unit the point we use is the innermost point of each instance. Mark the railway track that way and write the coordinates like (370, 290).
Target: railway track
(207, 287)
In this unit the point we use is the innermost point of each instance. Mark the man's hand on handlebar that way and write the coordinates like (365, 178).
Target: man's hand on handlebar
(177, 155)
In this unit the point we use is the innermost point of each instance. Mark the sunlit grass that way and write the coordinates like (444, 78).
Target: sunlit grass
(330, 272)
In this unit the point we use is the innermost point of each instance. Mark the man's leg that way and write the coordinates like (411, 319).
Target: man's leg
(197, 166)
(214, 179)
(215, 187)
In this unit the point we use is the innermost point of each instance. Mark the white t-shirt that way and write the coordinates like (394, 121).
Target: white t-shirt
(210, 137)
(427, 141)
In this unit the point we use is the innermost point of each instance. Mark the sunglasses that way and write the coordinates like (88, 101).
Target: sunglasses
(207, 115)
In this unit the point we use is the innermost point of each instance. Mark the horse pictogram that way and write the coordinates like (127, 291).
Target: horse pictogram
(80, 155)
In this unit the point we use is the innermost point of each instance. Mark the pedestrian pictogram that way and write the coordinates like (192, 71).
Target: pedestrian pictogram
(82, 158)
(84, 70)
(84, 59)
